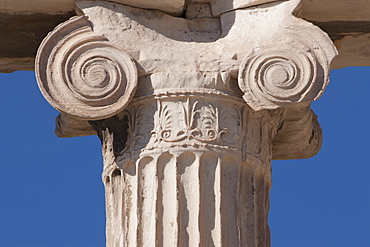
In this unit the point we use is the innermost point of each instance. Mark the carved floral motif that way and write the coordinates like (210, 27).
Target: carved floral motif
(189, 120)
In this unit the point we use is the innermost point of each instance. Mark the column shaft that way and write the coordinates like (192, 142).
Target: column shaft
(188, 174)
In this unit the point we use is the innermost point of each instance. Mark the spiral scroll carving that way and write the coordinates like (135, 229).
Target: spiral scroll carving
(275, 78)
(84, 75)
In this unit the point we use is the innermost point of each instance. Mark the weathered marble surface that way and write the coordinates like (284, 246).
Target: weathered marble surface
(190, 110)
(225, 51)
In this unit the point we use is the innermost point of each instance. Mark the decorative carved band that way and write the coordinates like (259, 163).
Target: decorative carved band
(82, 74)
(183, 121)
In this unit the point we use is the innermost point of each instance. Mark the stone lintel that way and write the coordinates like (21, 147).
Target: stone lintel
(21, 35)
(24, 25)
(173, 7)
(352, 41)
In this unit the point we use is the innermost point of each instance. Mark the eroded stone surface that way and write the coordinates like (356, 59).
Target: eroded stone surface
(15, 7)
(329, 10)
(198, 10)
(220, 6)
(174, 7)
(232, 60)
(233, 48)
(187, 155)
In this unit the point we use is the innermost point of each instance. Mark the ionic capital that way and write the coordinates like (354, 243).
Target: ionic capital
(113, 56)
(89, 67)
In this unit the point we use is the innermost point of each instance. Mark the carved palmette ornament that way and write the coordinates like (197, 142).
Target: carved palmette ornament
(82, 74)
(294, 70)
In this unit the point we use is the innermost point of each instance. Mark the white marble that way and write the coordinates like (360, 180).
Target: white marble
(190, 111)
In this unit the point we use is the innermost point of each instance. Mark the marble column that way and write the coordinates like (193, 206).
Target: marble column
(190, 110)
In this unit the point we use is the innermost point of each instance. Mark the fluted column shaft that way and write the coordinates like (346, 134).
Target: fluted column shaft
(189, 170)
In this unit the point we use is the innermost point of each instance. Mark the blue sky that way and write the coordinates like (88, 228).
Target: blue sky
(51, 194)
